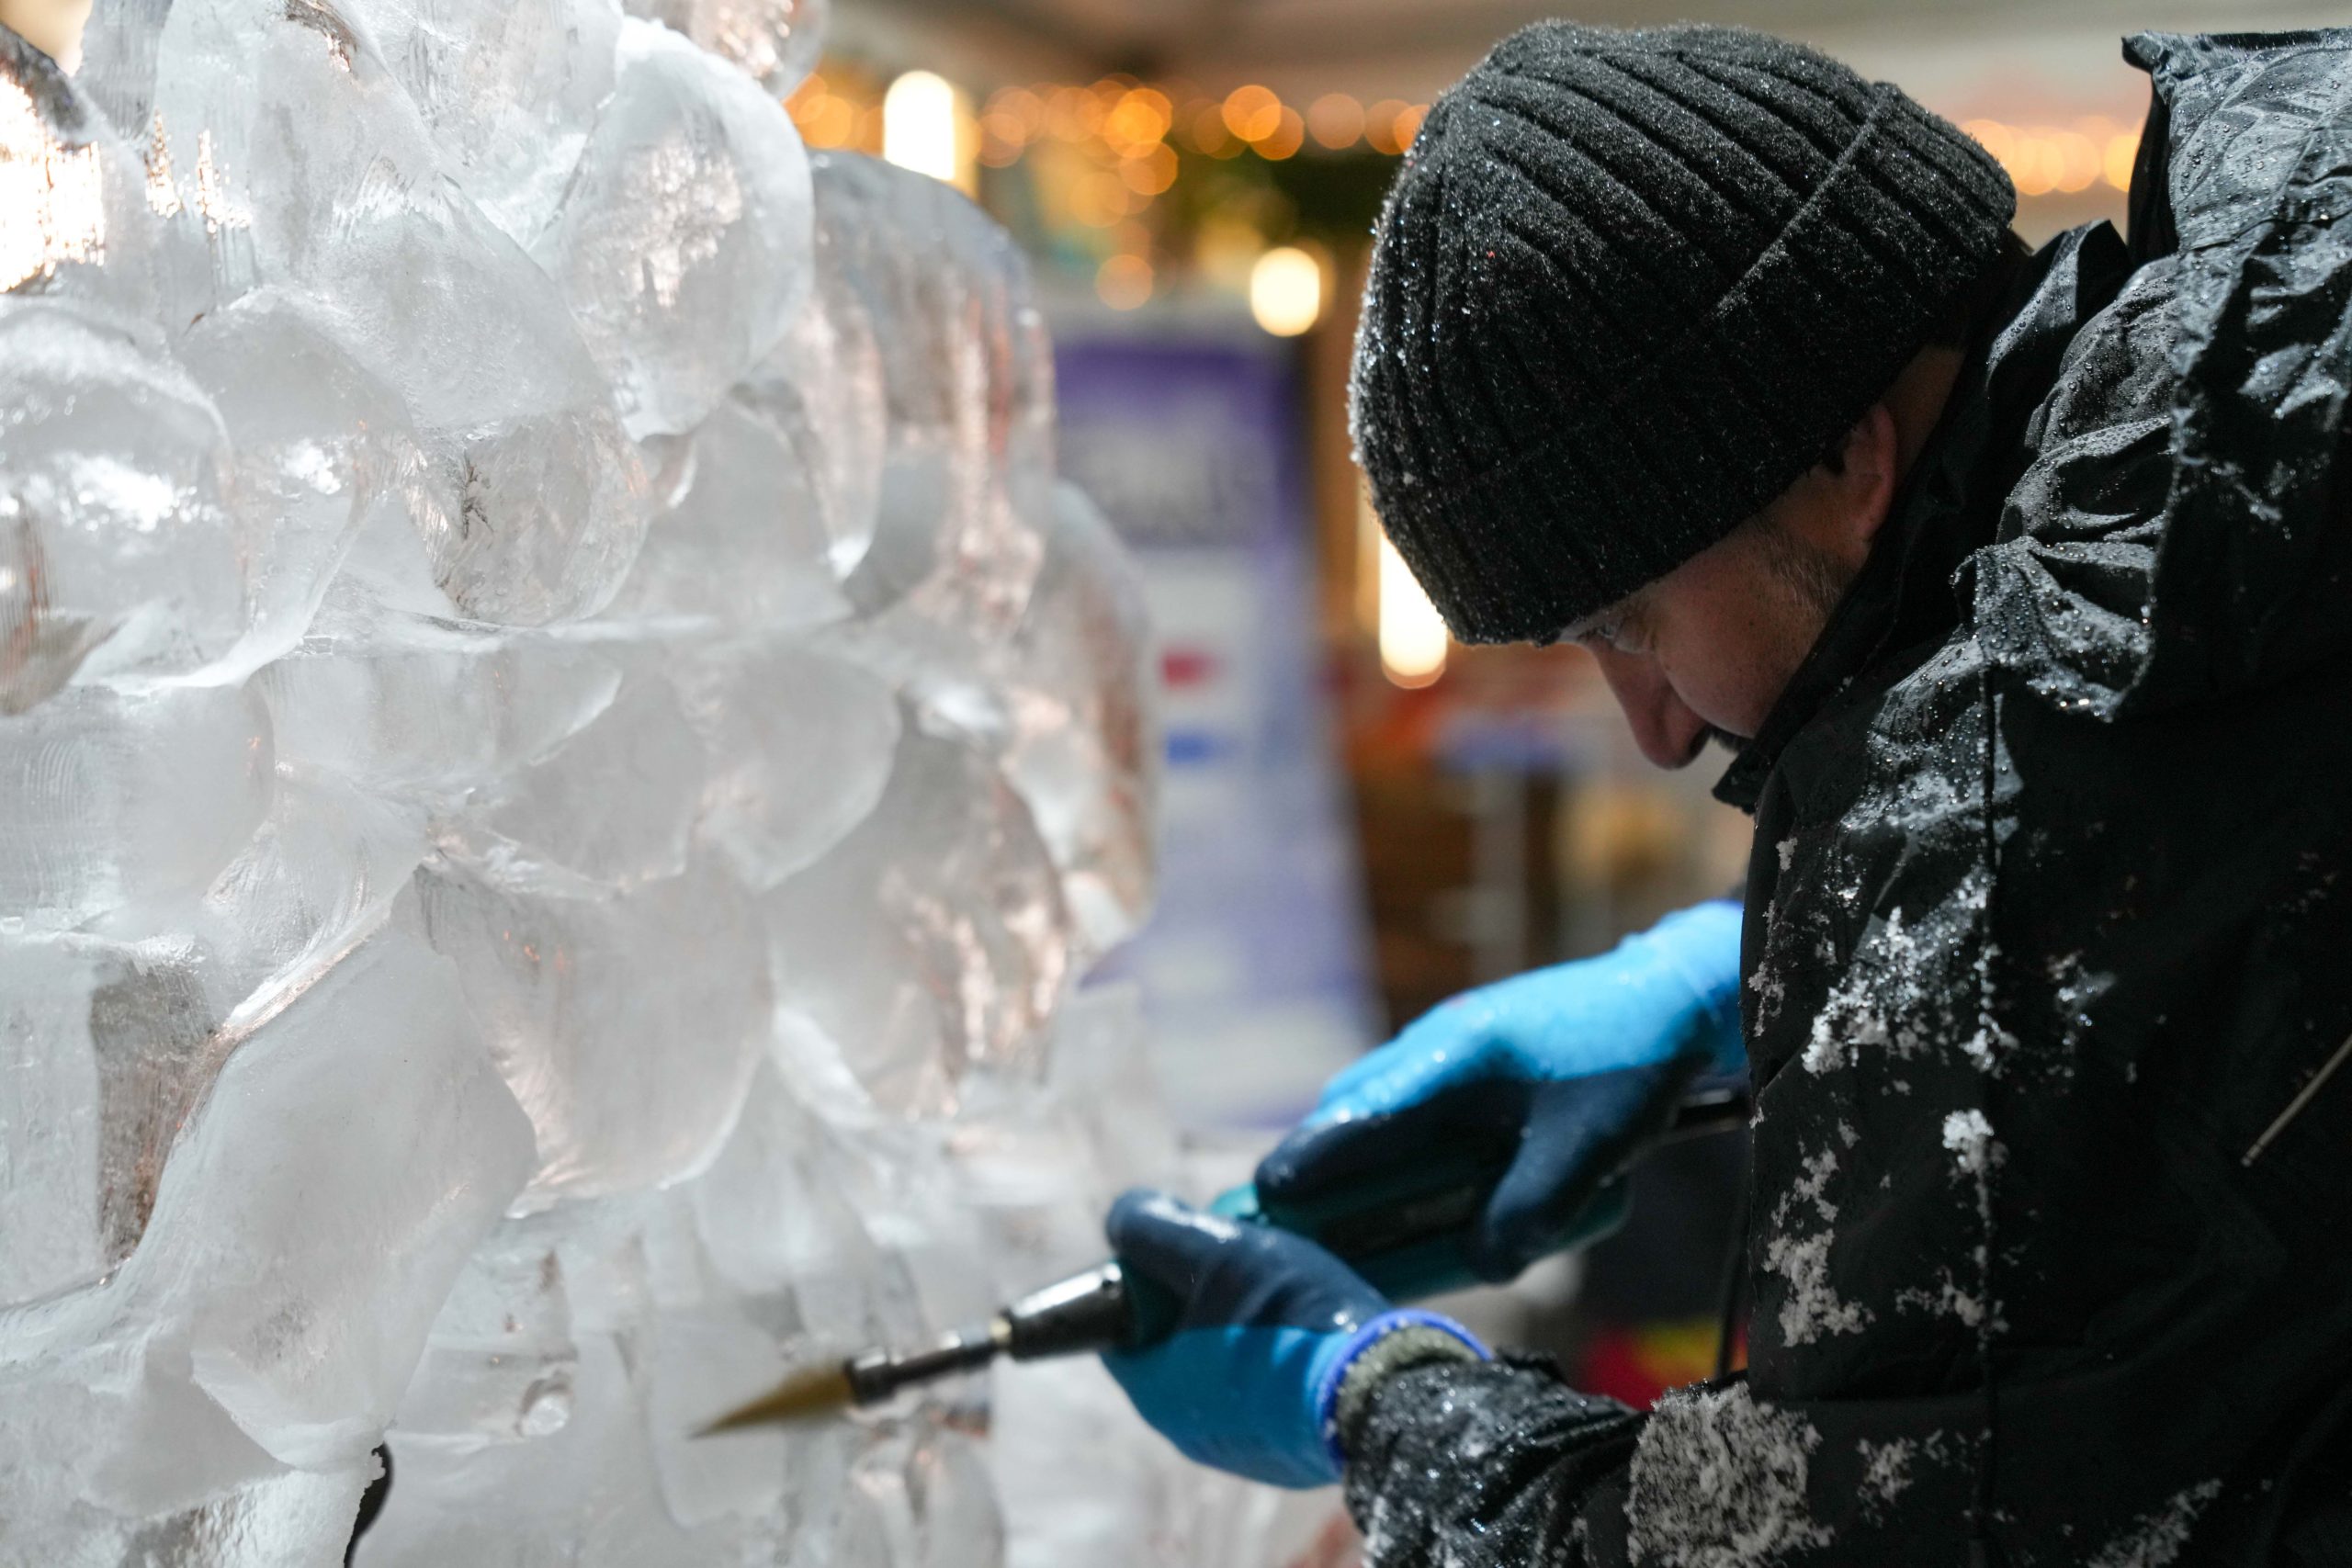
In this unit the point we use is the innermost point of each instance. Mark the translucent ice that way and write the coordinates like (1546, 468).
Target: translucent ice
(1083, 747)
(772, 800)
(935, 939)
(682, 238)
(969, 386)
(748, 541)
(431, 712)
(306, 1226)
(532, 502)
(102, 1054)
(509, 91)
(110, 800)
(73, 219)
(776, 41)
(117, 541)
(561, 762)
(627, 1025)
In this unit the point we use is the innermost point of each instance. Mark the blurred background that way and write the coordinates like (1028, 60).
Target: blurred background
(1362, 818)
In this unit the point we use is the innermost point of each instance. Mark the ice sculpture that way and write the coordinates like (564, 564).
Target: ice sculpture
(562, 760)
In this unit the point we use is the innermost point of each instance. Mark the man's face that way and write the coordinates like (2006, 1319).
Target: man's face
(1708, 648)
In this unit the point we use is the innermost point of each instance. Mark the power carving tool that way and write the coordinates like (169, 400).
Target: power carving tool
(1405, 1236)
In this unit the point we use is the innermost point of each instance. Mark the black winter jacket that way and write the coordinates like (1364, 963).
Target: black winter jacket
(2049, 924)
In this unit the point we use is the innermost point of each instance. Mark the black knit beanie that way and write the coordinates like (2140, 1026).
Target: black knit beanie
(1628, 287)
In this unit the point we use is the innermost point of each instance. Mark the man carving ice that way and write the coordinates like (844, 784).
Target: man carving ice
(2022, 584)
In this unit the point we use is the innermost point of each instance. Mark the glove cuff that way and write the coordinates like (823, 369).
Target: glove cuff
(1389, 1343)
(1700, 945)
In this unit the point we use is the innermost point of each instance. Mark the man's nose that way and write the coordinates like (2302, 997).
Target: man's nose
(1668, 733)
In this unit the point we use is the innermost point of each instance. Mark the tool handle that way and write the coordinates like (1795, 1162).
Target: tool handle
(1406, 1233)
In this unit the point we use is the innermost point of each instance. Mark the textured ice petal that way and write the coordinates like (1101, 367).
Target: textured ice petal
(287, 1520)
(116, 546)
(430, 712)
(969, 382)
(111, 801)
(747, 544)
(307, 1222)
(611, 808)
(102, 1055)
(684, 238)
(801, 747)
(777, 41)
(318, 441)
(350, 1154)
(626, 1026)
(823, 383)
(318, 877)
(532, 502)
(1084, 746)
(509, 91)
(77, 222)
(773, 1214)
(934, 939)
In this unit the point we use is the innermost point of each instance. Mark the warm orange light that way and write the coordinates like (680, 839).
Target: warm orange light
(1098, 199)
(1253, 113)
(1141, 120)
(2080, 159)
(1413, 639)
(1125, 282)
(825, 120)
(1408, 124)
(1336, 120)
(2122, 155)
(1152, 173)
(1210, 133)
(1284, 140)
(1381, 123)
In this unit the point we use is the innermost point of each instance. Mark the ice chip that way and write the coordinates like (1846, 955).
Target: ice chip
(968, 386)
(74, 221)
(613, 806)
(682, 239)
(823, 382)
(499, 1361)
(317, 878)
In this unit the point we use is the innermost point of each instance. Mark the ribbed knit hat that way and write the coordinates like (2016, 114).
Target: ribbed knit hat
(1628, 287)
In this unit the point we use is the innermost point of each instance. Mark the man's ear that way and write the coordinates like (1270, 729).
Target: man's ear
(1869, 468)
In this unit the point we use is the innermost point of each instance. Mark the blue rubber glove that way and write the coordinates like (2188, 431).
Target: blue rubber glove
(1566, 1072)
(1265, 1326)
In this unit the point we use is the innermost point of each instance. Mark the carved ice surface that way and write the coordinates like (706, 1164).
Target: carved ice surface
(562, 761)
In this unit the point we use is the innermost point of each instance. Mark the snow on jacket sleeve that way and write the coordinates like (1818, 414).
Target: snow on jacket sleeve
(1482, 1464)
